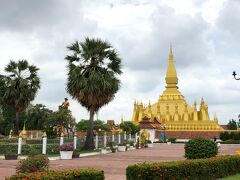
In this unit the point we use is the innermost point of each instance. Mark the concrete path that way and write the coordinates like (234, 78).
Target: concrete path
(115, 164)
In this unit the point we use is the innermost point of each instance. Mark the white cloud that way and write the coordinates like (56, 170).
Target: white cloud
(204, 34)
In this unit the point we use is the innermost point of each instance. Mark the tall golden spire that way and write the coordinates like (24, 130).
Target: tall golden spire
(171, 77)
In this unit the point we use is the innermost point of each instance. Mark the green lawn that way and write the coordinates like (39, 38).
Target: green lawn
(235, 177)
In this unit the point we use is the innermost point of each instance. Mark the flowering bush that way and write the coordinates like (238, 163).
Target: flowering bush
(33, 164)
(84, 174)
(66, 147)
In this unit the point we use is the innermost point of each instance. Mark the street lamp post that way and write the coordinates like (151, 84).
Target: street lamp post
(234, 75)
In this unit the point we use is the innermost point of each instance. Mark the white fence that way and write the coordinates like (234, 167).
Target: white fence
(100, 140)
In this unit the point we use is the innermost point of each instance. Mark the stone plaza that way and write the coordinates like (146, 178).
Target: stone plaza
(115, 164)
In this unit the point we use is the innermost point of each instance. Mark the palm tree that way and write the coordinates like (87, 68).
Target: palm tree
(93, 68)
(19, 87)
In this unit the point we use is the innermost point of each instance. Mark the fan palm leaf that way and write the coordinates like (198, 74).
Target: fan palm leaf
(93, 69)
(19, 86)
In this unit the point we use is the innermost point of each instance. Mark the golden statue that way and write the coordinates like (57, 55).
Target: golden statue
(65, 104)
(172, 109)
(144, 135)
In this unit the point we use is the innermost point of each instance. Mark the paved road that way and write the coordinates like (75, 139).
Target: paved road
(114, 164)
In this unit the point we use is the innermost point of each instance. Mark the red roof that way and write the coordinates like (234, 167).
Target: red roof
(146, 123)
(225, 127)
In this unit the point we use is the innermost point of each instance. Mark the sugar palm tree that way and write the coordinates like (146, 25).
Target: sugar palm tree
(93, 69)
(19, 87)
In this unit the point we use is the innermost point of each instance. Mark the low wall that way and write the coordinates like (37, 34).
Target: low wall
(189, 134)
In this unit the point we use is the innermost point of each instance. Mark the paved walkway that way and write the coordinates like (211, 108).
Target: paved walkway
(115, 164)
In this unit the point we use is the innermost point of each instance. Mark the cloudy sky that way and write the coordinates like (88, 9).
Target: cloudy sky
(205, 36)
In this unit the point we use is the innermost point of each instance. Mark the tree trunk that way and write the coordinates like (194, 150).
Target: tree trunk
(89, 143)
(68, 132)
(17, 124)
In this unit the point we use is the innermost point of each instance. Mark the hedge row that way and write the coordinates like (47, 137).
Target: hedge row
(11, 140)
(82, 174)
(37, 141)
(229, 135)
(28, 148)
(231, 141)
(198, 169)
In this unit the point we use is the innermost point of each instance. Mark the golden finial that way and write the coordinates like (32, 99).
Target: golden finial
(171, 75)
(215, 117)
(195, 104)
(171, 53)
(44, 134)
(62, 135)
(23, 132)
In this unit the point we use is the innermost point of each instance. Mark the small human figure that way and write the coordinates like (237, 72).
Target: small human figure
(215, 139)
(137, 144)
(65, 104)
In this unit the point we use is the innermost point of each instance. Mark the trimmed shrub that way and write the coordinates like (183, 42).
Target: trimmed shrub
(33, 164)
(200, 148)
(224, 136)
(53, 141)
(82, 174)
(26, 148)
(197, 169)
(236, 136)
(230, 141)
(9, 140)
(231, 135)
(172, 139)
(34, 141)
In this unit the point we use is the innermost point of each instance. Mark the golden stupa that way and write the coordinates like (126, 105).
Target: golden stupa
(172, 110)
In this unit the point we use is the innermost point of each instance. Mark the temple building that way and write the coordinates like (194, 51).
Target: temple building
(172, 110)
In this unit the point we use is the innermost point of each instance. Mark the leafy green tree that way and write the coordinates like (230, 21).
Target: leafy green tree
(82, 125)
(101, 125)
(37, 116)
(232, 125)
(7, 123)
(93, 68)
(129, 127)
(5, 119)
(61, 118)
(238, 123)
(1, 121)
(19, 87)
(97, 125)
